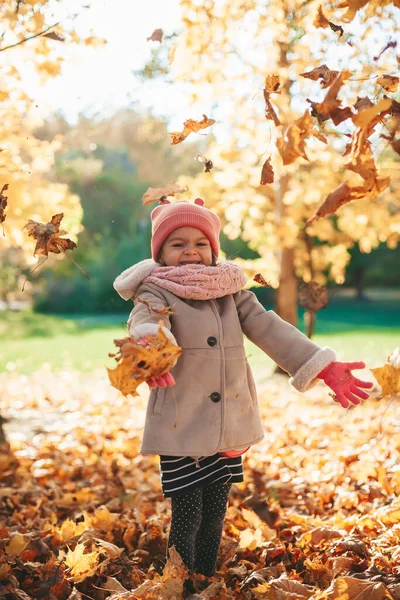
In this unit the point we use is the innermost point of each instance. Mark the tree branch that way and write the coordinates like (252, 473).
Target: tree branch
(28, 38)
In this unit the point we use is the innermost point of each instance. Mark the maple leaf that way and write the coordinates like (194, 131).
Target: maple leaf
(389, 83)
(292, 143)
(267, 173)
(156, 36)
(388, 376)
(323, 73)
(138, 364)
(258, 278)
(190, 126)
(272, 84)
(208, 164)
(159, 194)
(270, 113)
(368, 116)
(48, 236)
(352, 7)
(313, 296)
(80, 564)
(3, 203)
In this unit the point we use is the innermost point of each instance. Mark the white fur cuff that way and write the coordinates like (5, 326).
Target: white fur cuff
(128, 282)
(145, 329)
(303, 379)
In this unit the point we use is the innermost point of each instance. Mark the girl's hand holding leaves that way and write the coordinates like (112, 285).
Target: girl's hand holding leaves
(162, 380)
(338, 376)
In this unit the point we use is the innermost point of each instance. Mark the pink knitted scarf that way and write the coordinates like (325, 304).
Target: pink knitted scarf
(198, 282)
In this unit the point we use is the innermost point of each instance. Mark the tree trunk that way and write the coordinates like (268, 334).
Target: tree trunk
(286, 294)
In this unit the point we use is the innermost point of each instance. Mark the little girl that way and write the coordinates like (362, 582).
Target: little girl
(202, 425)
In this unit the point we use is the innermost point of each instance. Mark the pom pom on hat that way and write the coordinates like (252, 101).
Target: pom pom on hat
(167, 217)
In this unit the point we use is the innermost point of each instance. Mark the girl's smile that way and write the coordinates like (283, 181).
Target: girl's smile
(186, 246)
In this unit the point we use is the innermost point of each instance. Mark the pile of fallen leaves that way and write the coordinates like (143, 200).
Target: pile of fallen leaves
(83, 516)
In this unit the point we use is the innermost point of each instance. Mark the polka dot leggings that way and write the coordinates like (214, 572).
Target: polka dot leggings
(197, 523)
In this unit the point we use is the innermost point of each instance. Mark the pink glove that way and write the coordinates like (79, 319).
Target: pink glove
(161, 381)
(337, 375)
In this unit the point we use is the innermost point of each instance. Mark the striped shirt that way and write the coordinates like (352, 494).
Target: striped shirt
(180, 474)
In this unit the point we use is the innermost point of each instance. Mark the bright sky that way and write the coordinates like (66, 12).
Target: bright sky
(99, 80)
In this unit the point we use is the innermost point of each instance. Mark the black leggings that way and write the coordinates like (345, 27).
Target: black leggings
(197, 523)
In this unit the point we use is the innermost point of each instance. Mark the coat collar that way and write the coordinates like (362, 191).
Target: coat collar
(129, 281)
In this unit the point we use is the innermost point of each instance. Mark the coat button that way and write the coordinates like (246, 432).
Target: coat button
(215, 397)
(212, 341)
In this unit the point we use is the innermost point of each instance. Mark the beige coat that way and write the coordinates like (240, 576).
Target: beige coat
(213, 406)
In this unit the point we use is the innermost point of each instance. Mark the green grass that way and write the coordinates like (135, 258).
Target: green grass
(366, 331)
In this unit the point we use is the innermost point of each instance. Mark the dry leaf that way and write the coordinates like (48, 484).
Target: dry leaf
(392, 44)
(17, 545)
(52, 35)
(352, 7)
(270, 113)
(272, 84)
(159, 194)
(267, 173)
(330, 107)
(388, 376)
(167, 310)
(48, 236)
(288, 589)
(258, 278)
(313, 296)
(3, 203)
(190, 126)
(208, 164)
(321, 21)
(350, 588)
(81, 564)
(156, 36)
(323, 73)
(390, 83)
(292, 143)
(137, 364)
(368, 117)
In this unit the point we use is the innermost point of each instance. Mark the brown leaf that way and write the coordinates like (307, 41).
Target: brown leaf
(208, 164)
(159, 194)
(368, 117)
(330, 107)
(392, 44)
(321, 21)
(389, 83)
(352, 7)
(350, 588)
(3, 203)
(288, 589)
(362, 103)
(137, 364)
(272, 84)
(258, 278)
(313, 296)
(190, 126)
(292, 143)
(323, 73)
(167, 310)
(156, 36)
(267, 173)
(270, 113)
(52, 35)
(48, 236)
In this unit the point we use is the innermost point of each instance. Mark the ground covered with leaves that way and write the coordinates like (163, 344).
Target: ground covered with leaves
(82, 514)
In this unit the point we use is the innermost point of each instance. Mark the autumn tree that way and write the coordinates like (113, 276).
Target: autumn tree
(253, 63)
(31, 36)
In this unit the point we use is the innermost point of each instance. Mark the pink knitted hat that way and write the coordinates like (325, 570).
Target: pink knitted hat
(167, 217)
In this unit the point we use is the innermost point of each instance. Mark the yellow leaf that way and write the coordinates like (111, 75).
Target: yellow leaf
(388, 376)
(81, 565)
(17, 545)
(190, 126)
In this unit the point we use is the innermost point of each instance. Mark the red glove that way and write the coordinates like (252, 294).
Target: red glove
(337, 375)
(161, 381)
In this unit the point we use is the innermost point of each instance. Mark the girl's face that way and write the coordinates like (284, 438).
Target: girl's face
(186, 246)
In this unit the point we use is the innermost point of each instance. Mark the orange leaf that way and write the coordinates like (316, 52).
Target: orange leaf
(323, 73)
(270, 113)
(48, 236)
(267, 173)
(156, 36)
(190, 126)
(159, 194)
(390, 83)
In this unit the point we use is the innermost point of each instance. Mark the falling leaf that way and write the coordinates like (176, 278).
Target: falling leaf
(258, 278)
(81, 564)
(167, 310)
(389, 83)
(352, 7)
(272, 84)
(391, 44)
(208, 164)
(137, 364)
(159, 194)
(48, 236)
(321, 21)
(388, 376)
(330, 107)
(323, 73)
(337, 29)
(52, 35)
(366, 118)
(3, 203)
(313, 296)
(292, 143)
(190, 126)
(267, 173)
(156, 36)
(270, 113)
